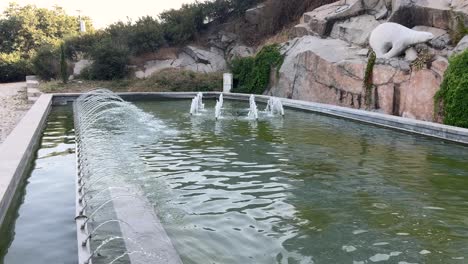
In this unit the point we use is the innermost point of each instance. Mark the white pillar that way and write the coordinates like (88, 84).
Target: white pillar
(227, 82)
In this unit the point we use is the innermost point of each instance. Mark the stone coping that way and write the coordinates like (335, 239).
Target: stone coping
(17, 151)
(430, 129)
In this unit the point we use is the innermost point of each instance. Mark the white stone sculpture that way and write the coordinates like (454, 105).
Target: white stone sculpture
(389, 40)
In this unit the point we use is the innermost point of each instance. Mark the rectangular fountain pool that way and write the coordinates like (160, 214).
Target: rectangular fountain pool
(305, 188)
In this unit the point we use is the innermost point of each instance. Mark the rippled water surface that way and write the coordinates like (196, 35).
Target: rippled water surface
(304, 189)
(40, 226)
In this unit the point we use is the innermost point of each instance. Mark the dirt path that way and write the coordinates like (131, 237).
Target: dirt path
(12, 107)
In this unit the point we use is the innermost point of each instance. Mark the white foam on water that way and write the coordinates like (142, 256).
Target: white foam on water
(380, 244)
(348, 248)
(359, 231)
(403, 234)
(379, 257)
(424, 252)
(434, 208)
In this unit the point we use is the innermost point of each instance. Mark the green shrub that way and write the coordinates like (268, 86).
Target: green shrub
(368, 75)
(13, 68)
(453, 93)
(252, 74)
(110, 61)
(46, 62)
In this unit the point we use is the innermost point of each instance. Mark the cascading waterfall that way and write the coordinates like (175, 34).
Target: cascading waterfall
(274, 107)
(107, 128)
(253, 111)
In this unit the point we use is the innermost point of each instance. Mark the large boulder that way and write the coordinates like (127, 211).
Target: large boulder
(240, 51)
(461, 46)
(417, 95)
(355, 30)
(436, 13)
(80, 65)
(255, 15)
(321, 19)
(311, 72)
(190, 58)
(376, 8)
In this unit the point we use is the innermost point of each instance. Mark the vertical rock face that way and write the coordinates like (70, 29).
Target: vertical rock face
(417, 95)
(330, 71)
(326, 63)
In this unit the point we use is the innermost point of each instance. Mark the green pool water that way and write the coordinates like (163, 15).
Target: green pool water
(40, 225)
(304, 188)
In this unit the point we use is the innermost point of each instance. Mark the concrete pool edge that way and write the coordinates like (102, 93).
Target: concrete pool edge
(430, 129)
(17, 150)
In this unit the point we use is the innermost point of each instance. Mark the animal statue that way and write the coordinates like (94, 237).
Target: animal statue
(389, 40)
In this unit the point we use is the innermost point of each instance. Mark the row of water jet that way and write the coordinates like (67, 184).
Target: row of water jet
(274, 107)
(219, 107)
(107, 130)
(197, 104)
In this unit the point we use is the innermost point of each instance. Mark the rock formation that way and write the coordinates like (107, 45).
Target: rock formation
(326, 61)
(389, 40)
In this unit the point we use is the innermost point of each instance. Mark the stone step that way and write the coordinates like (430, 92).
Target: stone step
(34, 92)
(32, 100)
(32, 78)
(32, 84)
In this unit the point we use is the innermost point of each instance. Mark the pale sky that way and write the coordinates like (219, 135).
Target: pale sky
(104, 12)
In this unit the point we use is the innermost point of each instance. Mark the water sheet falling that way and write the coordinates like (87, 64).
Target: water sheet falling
(107, 128)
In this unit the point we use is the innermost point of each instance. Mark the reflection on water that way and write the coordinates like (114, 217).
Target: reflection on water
(42, 229)
(304, 189)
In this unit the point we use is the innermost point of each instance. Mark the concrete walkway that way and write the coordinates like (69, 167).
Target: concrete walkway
(12, 107)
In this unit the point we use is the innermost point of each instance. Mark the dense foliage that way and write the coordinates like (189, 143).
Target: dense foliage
(46, 62)
(26, 28)
(13, 68)
(26, 32)
(110, 61)
(453, 93)
(252, 74)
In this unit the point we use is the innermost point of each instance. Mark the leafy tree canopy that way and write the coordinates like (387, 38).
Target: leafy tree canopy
(24, 29)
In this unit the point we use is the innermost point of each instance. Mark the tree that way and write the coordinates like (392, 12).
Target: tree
(63, 64)
(146, 36)
(25, 28)
(182, 25)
